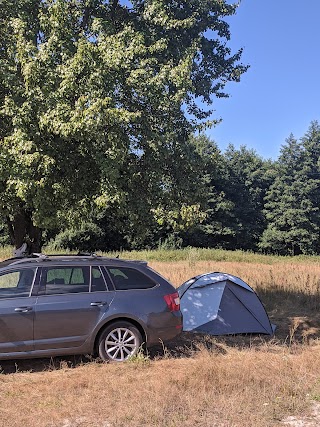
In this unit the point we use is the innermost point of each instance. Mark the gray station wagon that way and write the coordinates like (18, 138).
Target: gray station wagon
(86, 304)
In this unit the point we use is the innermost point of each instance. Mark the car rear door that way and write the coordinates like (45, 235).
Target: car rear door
(71, 301)
(17, 310)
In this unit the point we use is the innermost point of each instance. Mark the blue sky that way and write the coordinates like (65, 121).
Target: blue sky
(280, 93)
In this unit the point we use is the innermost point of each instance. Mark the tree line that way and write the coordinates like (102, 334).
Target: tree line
(269, 206)
(232, 200)
(237, 200)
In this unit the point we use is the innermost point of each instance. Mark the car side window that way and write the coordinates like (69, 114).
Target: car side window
(16, 284)
(65, 280)
(129, 278)
(97, 280)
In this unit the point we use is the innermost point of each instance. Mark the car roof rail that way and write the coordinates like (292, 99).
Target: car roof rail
(29, 258)
(40, 256)
(88, 254)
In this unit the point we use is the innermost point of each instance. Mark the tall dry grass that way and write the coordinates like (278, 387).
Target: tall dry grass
(244, 381)
(287, 276)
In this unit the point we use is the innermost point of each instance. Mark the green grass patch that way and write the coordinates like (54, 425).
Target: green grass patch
(192, 255)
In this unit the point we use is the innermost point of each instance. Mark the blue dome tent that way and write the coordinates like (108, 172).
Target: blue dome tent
(221, 304)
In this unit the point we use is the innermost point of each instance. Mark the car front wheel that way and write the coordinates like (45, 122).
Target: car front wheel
(119, 341)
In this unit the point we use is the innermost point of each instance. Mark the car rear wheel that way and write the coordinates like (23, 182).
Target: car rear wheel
(119, 341)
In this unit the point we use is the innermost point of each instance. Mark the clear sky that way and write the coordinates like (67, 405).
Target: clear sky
(280, 93)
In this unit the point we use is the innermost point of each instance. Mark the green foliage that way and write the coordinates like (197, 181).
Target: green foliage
(97, 100)
(171, 242)
(88, 237)
(235, 185)
(292, 203)
(213, 228)
(247, 180)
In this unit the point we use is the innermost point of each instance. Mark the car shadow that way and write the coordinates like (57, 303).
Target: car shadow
(295, 314)
(45, 364)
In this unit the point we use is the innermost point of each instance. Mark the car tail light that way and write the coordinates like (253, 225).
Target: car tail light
(173, 301)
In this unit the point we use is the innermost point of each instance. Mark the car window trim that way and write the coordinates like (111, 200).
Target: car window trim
(104, 279)
(105, 269)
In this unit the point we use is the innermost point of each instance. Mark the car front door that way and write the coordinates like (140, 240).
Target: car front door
(69, 305)
(17, 310)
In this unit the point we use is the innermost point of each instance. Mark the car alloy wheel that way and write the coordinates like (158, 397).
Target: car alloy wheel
(119, 341)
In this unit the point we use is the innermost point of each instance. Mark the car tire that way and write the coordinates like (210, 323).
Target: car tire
(119, 341)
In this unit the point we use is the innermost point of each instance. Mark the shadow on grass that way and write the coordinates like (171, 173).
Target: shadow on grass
(296, 315)
(45, 364)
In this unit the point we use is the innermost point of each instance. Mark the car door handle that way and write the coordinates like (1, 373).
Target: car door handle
(22, 309)
(98, 303)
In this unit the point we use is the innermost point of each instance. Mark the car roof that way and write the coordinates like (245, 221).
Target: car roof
(57, 259)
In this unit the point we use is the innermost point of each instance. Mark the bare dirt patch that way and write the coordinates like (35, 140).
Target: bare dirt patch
(313, 420)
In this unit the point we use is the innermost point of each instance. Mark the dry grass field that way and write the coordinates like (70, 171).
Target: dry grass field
(243, 381)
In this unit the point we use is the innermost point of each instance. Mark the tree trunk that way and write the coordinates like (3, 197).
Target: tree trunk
(22, 230)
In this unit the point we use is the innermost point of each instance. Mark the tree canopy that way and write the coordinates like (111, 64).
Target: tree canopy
(97, 102)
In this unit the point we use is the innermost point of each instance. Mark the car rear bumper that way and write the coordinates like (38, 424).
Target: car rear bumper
(168, 330)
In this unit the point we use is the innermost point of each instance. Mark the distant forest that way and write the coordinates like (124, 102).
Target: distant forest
(236, 200)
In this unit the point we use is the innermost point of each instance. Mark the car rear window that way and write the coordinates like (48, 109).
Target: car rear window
(129, 278)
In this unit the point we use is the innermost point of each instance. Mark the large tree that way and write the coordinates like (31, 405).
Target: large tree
(96, 99)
